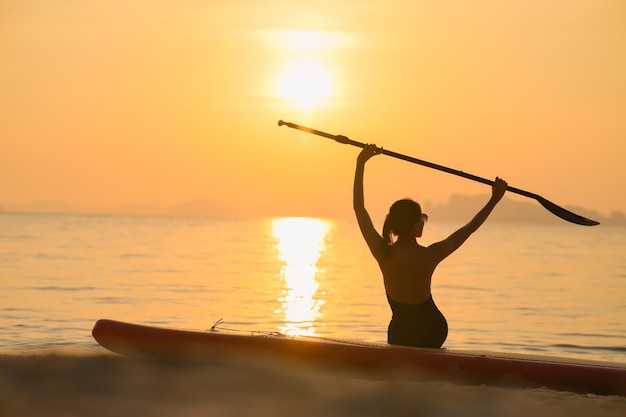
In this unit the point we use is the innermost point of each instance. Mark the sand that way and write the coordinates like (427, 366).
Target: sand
(108, 385)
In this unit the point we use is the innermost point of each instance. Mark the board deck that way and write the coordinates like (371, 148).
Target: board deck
(451, 365)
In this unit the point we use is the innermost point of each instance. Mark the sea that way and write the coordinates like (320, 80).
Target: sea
(547, 289)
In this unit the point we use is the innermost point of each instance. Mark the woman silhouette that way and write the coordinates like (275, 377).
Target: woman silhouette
(407, 267)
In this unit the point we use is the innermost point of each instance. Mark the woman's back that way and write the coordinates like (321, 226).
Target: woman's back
(407, 271)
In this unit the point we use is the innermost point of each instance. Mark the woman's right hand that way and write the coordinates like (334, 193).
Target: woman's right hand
(498, 189)
(368, 151)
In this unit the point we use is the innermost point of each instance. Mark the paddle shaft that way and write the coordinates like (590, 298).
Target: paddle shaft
(557, 210)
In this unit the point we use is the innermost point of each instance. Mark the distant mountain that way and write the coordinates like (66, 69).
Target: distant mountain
(462, 208)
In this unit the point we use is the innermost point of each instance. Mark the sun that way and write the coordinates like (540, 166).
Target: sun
(305, 80)
(306, 83)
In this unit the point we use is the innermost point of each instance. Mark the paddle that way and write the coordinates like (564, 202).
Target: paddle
(551, 207)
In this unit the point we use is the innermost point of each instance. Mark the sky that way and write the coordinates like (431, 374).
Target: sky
(142, 104)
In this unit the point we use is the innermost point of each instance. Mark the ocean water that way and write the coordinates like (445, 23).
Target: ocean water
(543, 289)
(558, 290)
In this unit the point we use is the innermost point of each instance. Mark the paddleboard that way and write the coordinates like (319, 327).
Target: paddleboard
(483, 368)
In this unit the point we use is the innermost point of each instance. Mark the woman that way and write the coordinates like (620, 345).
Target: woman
(407, 267)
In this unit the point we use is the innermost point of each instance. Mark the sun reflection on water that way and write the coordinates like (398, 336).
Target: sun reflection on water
(301, 242)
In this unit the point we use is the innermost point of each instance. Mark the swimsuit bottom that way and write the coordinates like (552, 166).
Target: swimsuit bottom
(418, 325)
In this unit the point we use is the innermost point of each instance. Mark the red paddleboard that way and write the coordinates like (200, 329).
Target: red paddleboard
(498, 369)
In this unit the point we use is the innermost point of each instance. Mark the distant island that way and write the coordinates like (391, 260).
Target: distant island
(457, 208)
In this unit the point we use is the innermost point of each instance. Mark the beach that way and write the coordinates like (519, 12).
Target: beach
(109, 385)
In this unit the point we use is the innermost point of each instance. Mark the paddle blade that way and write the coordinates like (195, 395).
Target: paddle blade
(565, 214)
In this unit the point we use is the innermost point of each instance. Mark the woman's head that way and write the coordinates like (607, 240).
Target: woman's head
(402, 218)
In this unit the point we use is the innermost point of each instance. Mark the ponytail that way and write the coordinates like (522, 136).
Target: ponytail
(387, 235)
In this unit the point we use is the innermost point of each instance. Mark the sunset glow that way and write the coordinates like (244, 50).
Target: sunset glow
(306, 83)
(300, 245)
(143, 108)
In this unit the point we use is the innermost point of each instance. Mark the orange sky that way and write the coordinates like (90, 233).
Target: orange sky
(144, 103)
